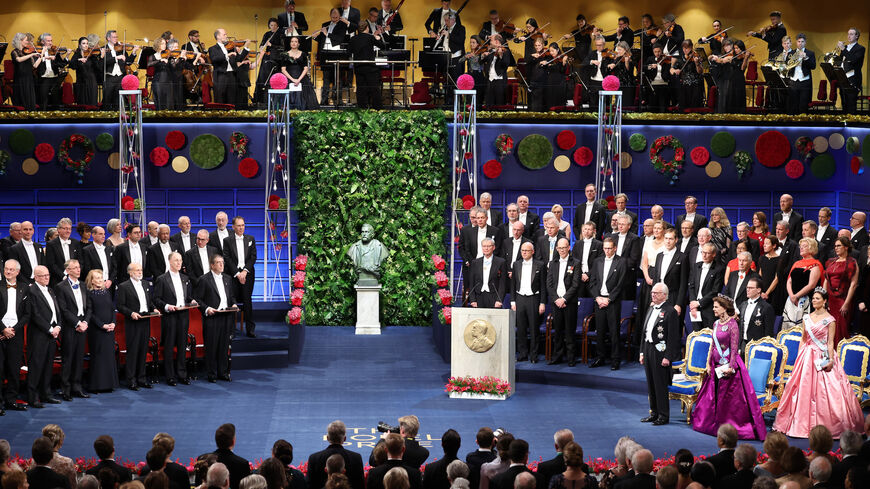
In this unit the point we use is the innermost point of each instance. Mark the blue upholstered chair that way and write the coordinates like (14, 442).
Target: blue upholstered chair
(693, 369)
(854, 355)
(765, 360)
(791, 339)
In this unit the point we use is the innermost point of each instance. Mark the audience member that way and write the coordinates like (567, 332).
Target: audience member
(489, 470)
(683, 461)
(225, 439)
(435, 474)
(642, 464)
(484, 453)
(253, 481)
(396, 448)
(704, 474)
(774, 446)
(556, 465)
(519, 456)
(60, 464)
(794, 463)
(820, 472)
(666, 477)
(850, 446)
(745, 458)
(104, 446)
(41, 476)
(397, 478)
(282, 450)
(575, 475)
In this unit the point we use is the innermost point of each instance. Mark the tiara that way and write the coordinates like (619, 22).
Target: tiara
(729, 299)
(820, 290)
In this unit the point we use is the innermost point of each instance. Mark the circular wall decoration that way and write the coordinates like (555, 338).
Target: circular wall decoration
(249, 167)
(22, 141)
(857, 165)
(4, 160)
(492, 169)
(722, 144)
(159, 156)
(772, 149)
(637, 142)
(820, 144)
(104, 141)
(853, 146)
(566, 139)
(534, 151)
(583, 156)
(700, 156)
(175, 140)
(207, 151)
(713, 169)
(866, 153)
(180, 164)
(625, 160)
(30, 166)
(114, 161)
(823, 166)
(794, 169)
(836, 140)
(562, 163)
(44, 152)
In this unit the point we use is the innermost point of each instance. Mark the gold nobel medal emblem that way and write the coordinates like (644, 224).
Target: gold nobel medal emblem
(479, 335)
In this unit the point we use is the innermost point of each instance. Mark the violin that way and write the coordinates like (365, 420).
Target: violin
(608, 53)
(232, 43)
(29, 49)
(55, 50)
(121, 47)
(718, 36)
(175, 53)
(506, 27)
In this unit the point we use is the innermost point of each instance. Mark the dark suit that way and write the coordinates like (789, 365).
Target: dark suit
(337, 37)
(674, 277)
(216, 242)
(853, 60)
(598, 215)
(193, 264)
(564, 318)
(376, 475)
(353, 467)
(18, 252)
(731, 290)
(495, 218)
(486, 31)
(298, 17)
(662, 325)
(216, 328)
(533, 222)
(136, 331)
(507, 250)
(826, 244)
(91, 259)
(632, 247)
(40, 343)
(435, 473)
(54, 258)
(468, 242)
(634, 224)
(415, 455)
(860, 239)
(178, 239)
(595, 250)
(12, 350)
(760, 324)
(754, 249)
(433, 22)
(157, 264)
(496, 282)
(638, 481)
(353, 17)
(543, 252)
(5, 244)
(773, 38)
(709, 289)
(698, 222)
(42, 477)
(244, 291)
(368, 76)
(841, 469)
(395, 24)
(124, 474)
(497, 88)
(475, 460)
(607, 319)
(527, 306)
(505, 480)
(723, 462)
(174, 325)
(224, 80)
(548, 468)
(121, 255)
(689, 244)
(742, 479)
(239, 468)
(795, 224)
(72, 341)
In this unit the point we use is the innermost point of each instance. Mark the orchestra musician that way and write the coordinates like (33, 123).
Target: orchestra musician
(531, 33)
(332, 34)
(658, 72)
(582, 38)
(436, 18)
(452, 40)
(84, 60)
(800, 79)
(265, 59)
(495, 64)
(622, 67)
(647, 32)
(474, 66)
(161, 83)
(715, 40)
(242, 72)
(115, 63)
(368, 76)
(778, 98)
(623, 33)
(291, 22)
(853, 65)
(670, 35)
(496, 26)
(555, 67)
(596, 60)
(384, 14)
(24, 59)
(687, 70)
(223, 62)
(350, 16)
(537, 76)
(739, 63)
(203, 66)
(723, 75)
(772, 34)
(50, 73)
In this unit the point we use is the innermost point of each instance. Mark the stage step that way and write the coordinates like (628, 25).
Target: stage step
(260, 359)
(629, 378)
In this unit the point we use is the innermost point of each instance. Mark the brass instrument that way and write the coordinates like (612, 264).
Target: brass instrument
(785, 63)
(834, 57)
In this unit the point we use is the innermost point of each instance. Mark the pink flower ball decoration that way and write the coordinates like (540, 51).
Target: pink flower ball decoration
(278, 81)
(610, 83)
(465, 82)
(794, 169)
(130, 82)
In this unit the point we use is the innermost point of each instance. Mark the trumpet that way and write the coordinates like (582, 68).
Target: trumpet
(834, 57)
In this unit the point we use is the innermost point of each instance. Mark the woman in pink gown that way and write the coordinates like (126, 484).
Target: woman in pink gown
(816, 396)
(841, 281)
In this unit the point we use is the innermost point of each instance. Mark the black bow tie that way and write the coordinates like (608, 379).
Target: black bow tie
(10, 286)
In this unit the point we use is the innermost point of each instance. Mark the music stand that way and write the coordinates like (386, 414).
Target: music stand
(775, 83)
(833, 73)
(328, 55)
(395, 43)
(434, 61)
(429, 43)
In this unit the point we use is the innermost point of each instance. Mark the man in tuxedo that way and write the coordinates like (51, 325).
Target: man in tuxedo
(819, 471)
(98, 256)
(240, 252)
(698, 220)
(216, 238)
(489, 27)
(662, 337)
(859, 232)
(484, 454)
(128, 252)
(225, 439)
(158, 253)
(384, 13)
(672, 270)
(41, 476)
(487, 278)
(745, 457)
(134, 301)
(563, 286)
(495, 64)
(471, 237)
(433, 22)
(529, 219)
(14, 317)
(704, 237)
(687, 237)
(291, 22)
(850, 447)
(788, 251)
(75, 314)
(435, 474)
(789, 215)
(723, 461)
(223, 62)
(60, 250)
(628, 246)
(453, 43)
(214, 294)
(825, 234)
(173, 291)
(513, 215)
(183, 239)
(493, 216)
(592, 211)
(528, 299)
(752, 245)
(336, 435)
(415, 455)
(756, 316)
(43, 328)
(621, 200)
(368, 76)
(197, 259)
(27, 252)
(11, 240)
(104, 446)
(606, 286)
(800, 79)
(330, 37)
(114, 68)
(519, 455)
(349, 16)
(705, 283)
(545, 245)
(739, 279)
(556, 465)
(395, 450)
(585, 251)
(152, 238)
(853, 65)
(511, 245)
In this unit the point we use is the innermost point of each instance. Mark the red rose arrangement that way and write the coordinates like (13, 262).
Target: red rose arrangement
(468, 202)
(159, 156)
(44, 152)
(249, 167)
(299, 279)
(492, 169)
(772, 149)
(79, 166)
(239, 143)
(300, 262)
(478, 385)
(583, 156)
(127, 203)
(794, 169)
(666, 167)
(175, 140)
(446, 316)
(504, 144)
(444, 296)
(294, 316)
(438, 262)
(296, 297)
(441, 279)
(700, 156)
(566, 139)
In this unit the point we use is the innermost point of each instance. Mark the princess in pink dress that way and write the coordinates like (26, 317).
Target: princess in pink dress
(818, 391)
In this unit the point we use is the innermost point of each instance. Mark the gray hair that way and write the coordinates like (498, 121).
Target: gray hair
(626, 217)
(457, 469)
(661, 285)
(743, 224)
(484, 196)
(171, 254)
(460, 483)
(619, 449)
(765, 482)
(253, 481)
(5, 451)
(850, 441)
(727, 434)
(182, 218)
(112, 224)
(746, 455)
(397, 478)
(43, 36)
(89, 482)
(13, 224)
(524, 480)
(783, 224)
(484, 240)
(64, 220)
(705, 232)
(548, 215)
(336, 431)
(669, 18)
(642, 461)
(744, 254)
(820, 469)
(631, 449)
(109, 33)
(164, 226)
(450, 15)
(14, 263)
(217, 475)
(18, 39)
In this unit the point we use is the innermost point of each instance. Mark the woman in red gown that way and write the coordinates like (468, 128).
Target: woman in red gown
(841, 282)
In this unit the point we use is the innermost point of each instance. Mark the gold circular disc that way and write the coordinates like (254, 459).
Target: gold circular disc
(820, 144)
(713, 169)
(625, 160)
(115, 160)
(180, 164)
(479, 335)
(562, 163)
(836, 140)
(30, 166)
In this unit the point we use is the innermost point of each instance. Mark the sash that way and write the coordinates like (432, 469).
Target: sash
(723, 356)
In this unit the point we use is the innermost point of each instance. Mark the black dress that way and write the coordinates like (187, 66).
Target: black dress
(85, 88)
(726, 74)
(768, 268)
(307, 99)
(555, 93)
(737, 98)
(626, 79)
(537, 78)
(474, 67)
(691, 84)
(103, 368)
(161, 83)
(23, 83)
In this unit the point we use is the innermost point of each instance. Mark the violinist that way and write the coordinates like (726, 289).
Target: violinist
(657, 71)
(528, 37)
(25, 58)
(202, 65)
(435, 20)
(595, 69)
(647, 32)
(294, 65)
(495, 25)
(291, 22)
(623, 33)
(670, 34)
(242, 71)
(853, 64)
(265, 59)
(50, 73)
(800, 85)
(738, 77)
(395, 25)
(454, 44)
(85, 61)
(554, 66)
(686, 72)
(537, 75)
(715, 40)
(582, 37)
(495, 64)
(115, 62)
(474, 66)
(223, 62)
(622, 67)
(723, 75)
(184, 62)
(161, 82)
(193, 45)
(772, 34)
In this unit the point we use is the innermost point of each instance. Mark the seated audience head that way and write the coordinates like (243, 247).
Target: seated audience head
(821, 440)
(857, 477)
(764, 482)
(703, 473)
(157, 480)
(620, 449)
(14, 479)
(503, 445)
(218, 476)
(683, 461)
(42, 450)
(379, 454)
(485, 438)
(666, 477)
(274, 472)
(850, 442)
(203, 463)
(338, 481)
(519, 451)
(775, 445)
(524, 480)
(89, 482)
(397, 478)
(820, 470)
(642, 461)
(108, 478)
(283, 451)
(165, 441)
(156, 458)
(450, 442)
(457, 469)
(745, 457)
(793, 461)
(5, 453)
(409, 425)
(460, 483)
(225, 435)
(335, 464)
(137, 484)
(562, 438)
(253, 481)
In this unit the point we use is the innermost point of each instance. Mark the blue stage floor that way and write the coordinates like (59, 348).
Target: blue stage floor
(361, 380)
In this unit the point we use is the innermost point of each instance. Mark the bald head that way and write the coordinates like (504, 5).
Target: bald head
(41, 275)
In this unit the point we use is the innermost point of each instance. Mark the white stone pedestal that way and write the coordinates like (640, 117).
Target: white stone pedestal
(368, 308)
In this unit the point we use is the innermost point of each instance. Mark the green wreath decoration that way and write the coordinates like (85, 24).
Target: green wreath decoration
(665, 167)
(80, 166)
(866, 148)
(4, 159)
(722, 144)
(823, 166)
(535, 151)
(743, 162)
(105, 141)
(22, 141)
(637, 142)
(207, 151)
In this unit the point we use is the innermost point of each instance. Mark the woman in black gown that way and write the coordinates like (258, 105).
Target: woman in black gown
(294, 65)
(86, 74)
(725, 74)
(738, 78)
(161, 82)
(622, 67)
(474, 67)
(555, 69)
(536, 75)
(768, 265)
(101, 334)
(689, 71)
(24, 59)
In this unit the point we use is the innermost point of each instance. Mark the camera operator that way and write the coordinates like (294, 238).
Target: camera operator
(415, 455)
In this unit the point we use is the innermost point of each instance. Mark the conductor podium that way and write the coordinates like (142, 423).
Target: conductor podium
(482, 344)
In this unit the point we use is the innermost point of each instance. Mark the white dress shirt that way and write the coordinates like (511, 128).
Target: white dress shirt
(598, 76)
(135, 253)
(651, 322)
(185, 241)
(667, 257)
(116, 70)
(166, 250)
(178, 287)
(516, 250)
(526, 278)
(588, 215)
(240, 250)
(607, 263)
(799, 74)
(487, 265)
(140, 293)
(741, 276)
(560, 283)
(47, 59)
(522, 217)
(620, 242)
(31, 255)
(10, 316)
(481, 234)
(705, 269)
(219, 282)
(203, 258)
(226, 55)
(104, 262)
(747, 316)
(78, 294)
(222, 235)
(48, 299)
(821, 232)
(587, 246)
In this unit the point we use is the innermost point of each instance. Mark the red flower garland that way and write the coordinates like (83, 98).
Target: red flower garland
(566, 139)
(700, 156)
(583, 156)
(175, 140)
(438, 262)
(772, 149)
(300, 262)
(76, 166)
(492, 169)
(294, 316)
(159, 156)
(298, 279)
(794, 169)
(672, 168)
(296, 297)
(249, 167)
(44, 152)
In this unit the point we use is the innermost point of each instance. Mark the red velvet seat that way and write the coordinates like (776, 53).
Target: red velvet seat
(825, 101)
(710, 107)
